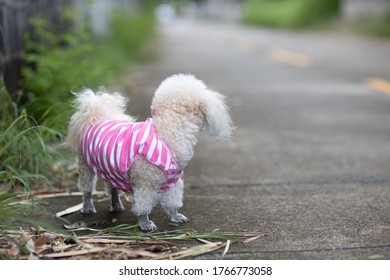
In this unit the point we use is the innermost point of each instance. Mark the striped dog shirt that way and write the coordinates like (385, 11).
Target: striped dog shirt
(111, 147)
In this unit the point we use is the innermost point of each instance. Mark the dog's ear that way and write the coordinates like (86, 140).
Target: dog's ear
(218, 121)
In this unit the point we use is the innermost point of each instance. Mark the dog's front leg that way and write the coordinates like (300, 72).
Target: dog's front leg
(146, 180)
(144, 200)
(172, 200)
(145, 223)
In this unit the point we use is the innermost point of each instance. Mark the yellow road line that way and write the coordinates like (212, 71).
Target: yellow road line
(292, 58)
(244, 45)
(379, 85)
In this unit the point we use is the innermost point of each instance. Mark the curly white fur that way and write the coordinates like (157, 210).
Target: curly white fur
(92, 108)
(182, 106)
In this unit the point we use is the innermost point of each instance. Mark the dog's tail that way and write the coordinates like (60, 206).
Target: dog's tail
(182, 88)
(92, 108)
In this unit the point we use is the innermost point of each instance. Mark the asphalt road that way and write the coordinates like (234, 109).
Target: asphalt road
(310, 157)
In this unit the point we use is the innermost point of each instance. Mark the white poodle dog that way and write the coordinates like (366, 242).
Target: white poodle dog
(145, 158)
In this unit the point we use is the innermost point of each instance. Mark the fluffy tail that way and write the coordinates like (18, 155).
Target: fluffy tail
(186, 89)
(92, 108)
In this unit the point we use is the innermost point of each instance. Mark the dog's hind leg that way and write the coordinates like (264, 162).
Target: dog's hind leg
(87, 183)
(172, 200)
(116, 203)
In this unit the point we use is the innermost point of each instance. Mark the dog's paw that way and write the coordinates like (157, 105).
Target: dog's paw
(179, 219)
(88, 208)
(147, 226)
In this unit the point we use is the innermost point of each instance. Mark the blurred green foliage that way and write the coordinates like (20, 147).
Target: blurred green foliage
(130, 33)
(379, 27)
(58, 63)
(288, 13)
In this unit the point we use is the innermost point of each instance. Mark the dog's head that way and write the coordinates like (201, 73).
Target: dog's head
(183, 98)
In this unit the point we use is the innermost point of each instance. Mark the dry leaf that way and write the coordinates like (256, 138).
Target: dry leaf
(62, 248)
(76, 225)
(25, 237)
(32, 257)
(193, 251)
(40, 230)
(226, 248)
(30, 246)
(252, 238)
(74, 253)
(62, 193)
(204, 241)
(14, 251)
(41, 241)
(50, 238)
(70, 210)
(109, 241)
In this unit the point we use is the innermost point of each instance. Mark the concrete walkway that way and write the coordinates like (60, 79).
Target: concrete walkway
(310, 158)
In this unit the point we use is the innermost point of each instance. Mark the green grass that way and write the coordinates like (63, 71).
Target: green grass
(25, 162)
(290, 14)
(25, 156)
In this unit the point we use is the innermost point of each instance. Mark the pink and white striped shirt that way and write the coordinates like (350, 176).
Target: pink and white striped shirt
(111, 147)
